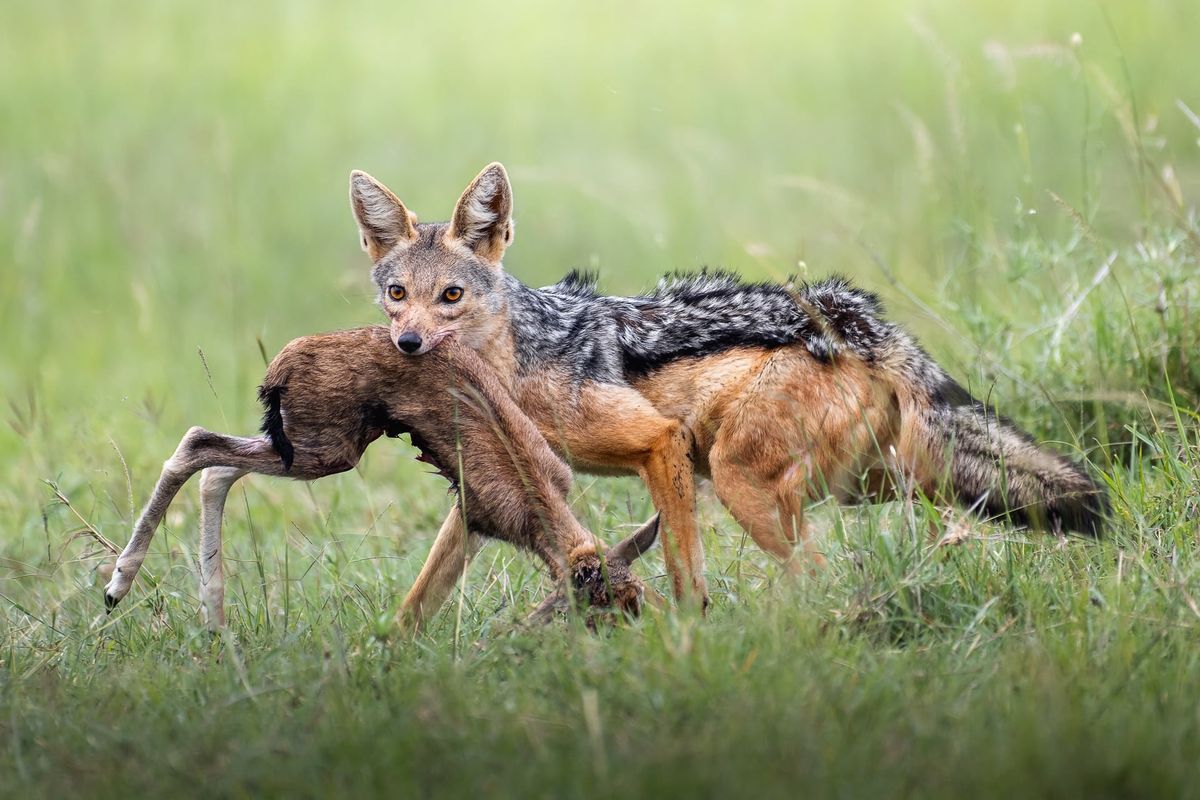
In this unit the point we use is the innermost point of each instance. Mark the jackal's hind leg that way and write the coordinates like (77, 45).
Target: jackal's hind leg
(796, 530)
(763, 478)
(774, 523)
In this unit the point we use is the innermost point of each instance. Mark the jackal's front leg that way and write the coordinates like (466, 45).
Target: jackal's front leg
(624, 431)
(452, 551)
(669, 475)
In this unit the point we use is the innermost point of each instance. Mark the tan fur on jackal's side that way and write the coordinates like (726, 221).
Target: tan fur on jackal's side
(779, 393)
(329, 396)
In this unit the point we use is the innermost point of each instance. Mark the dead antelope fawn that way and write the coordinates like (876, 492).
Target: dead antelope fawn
(327, 397)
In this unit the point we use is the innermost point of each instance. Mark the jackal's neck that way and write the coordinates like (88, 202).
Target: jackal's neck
(495, 342)
(568, 333)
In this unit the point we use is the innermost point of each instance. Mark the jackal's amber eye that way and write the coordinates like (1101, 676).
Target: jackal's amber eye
(453, 294)
(397, 293)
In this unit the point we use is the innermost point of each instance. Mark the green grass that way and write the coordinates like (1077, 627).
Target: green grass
(174, 183)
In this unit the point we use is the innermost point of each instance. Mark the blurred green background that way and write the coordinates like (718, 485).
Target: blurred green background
(173, 182)
(174, 175)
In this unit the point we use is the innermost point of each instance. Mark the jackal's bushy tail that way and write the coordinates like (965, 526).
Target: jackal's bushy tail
(998, 470)
(990, 464)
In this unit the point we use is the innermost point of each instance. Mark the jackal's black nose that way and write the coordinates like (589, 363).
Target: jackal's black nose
(409, 342)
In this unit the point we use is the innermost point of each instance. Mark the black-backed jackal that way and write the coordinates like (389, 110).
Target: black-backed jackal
(779, 392)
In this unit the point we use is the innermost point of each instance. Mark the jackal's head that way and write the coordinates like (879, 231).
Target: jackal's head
(437, 279)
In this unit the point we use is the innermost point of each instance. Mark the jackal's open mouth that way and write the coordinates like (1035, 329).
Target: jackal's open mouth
(438, 338)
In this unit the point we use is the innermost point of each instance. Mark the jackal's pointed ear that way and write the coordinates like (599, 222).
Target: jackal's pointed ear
(483, 216)
(383, 221)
